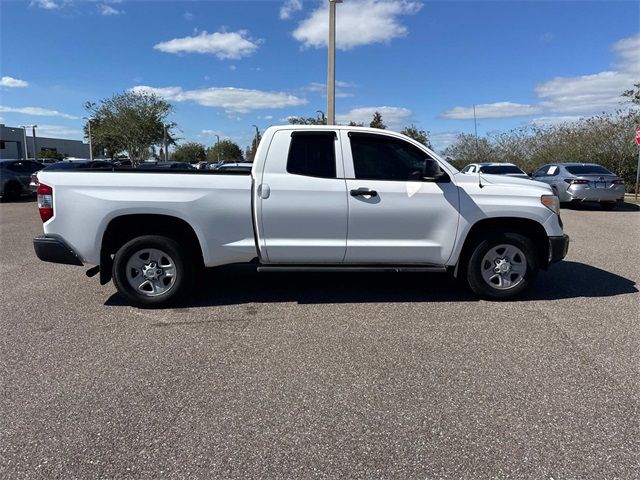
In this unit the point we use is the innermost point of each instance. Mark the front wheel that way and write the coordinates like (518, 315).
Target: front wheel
(502, 266)
(152, 271)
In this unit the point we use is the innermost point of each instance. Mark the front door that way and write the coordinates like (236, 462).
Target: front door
(395, 215)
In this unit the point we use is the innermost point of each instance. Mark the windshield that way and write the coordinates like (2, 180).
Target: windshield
(587, 170)
(501, 169)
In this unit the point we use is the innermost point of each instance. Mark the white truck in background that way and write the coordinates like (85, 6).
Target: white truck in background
(317, 198)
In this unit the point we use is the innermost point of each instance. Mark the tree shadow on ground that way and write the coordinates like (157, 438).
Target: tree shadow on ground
(240, 284)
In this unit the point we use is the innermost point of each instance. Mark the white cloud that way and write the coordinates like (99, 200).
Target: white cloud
(108, 10)
(596, 92)
(395, 118)
(224, 45)
(572, 96)
(188, 16)
(59, 131)
(46, 4)
(542, 121)
(37, 111)
(321, 89)
(289, 7)
(232, 100)
(12, 82)
(442, 140)
(358, 22)
(492, 110)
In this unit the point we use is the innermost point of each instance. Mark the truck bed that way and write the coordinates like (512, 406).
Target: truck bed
(216, 204)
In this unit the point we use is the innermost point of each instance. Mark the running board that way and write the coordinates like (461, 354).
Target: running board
(352, 268)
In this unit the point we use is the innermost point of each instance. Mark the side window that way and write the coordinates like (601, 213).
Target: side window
(378, 157)
(553, 170)
(541, 171)
(312, 154)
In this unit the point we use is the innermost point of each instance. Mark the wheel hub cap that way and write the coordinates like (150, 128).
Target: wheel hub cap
(151, 272)
(503, 265)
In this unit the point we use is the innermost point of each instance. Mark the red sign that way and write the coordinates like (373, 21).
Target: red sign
(638, 135)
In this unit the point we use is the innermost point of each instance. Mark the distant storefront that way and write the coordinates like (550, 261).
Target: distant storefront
(12, 144)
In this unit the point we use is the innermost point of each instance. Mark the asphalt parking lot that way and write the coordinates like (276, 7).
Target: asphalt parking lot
(333, 375)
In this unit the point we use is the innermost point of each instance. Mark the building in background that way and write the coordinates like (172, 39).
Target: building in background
(12, 144)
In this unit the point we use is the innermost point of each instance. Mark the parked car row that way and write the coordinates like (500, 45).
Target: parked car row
(570, 182)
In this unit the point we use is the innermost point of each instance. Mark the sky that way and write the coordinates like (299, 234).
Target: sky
(228, 65)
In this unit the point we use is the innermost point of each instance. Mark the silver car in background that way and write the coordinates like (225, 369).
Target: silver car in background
(583, 182)
(494, 168)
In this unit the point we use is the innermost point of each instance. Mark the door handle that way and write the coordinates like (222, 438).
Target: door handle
(361, 192)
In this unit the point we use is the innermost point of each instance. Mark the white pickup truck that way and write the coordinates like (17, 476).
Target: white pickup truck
(322, 198)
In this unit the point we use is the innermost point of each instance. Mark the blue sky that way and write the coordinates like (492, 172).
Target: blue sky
(228, 65)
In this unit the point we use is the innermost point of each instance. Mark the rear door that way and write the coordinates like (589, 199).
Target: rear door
(395, 215)
(301, 199)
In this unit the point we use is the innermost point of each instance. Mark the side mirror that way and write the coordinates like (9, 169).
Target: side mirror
(432, 171)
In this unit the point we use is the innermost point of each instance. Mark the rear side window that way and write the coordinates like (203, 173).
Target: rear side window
(378, 157)
(312, 154)
(500, 169)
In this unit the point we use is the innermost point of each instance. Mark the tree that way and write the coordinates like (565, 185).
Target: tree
(225, 151)
(48, 153)
(307, 120)
(469, 149)
(355, 124)
(376, 122)
(251, 149)
(633, 94)
(131, 122)
(418, 135)
(189, 152)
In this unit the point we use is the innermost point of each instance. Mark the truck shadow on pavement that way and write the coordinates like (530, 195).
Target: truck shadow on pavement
(236, 285)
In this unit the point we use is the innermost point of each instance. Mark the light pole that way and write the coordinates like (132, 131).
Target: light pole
(90, 143)
(26, 149)
(255, 148)
(331, 70)
(164, 142)
(35, 150)
(475, 126)
(218, 146)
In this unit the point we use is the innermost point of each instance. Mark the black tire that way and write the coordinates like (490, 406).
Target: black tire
(474, 270)
(12, 191)
(182, 278)
(608, 205)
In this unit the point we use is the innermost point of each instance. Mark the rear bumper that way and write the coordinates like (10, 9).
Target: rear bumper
(52, 248)
(558, 248)
(610, 194)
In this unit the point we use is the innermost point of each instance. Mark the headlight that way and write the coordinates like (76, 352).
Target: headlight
(551, 202)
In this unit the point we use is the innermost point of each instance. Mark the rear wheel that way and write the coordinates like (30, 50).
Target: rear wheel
(608, 205)
(152, 271)
(502, 266)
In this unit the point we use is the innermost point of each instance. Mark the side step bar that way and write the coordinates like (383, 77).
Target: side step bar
(352, 268)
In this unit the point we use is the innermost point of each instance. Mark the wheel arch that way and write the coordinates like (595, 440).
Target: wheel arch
(124, 228)
(524, 226)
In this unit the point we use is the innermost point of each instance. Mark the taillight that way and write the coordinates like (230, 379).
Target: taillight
(576, 181)
(618, 182)
(45, 201)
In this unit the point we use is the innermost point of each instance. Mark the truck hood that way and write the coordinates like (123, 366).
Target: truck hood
(524, 185)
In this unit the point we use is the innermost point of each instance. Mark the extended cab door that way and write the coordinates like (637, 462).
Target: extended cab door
(301, 199)
(395, 215)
